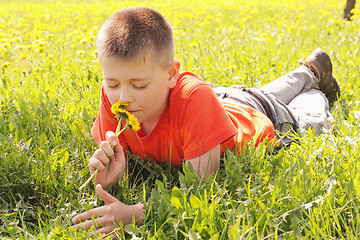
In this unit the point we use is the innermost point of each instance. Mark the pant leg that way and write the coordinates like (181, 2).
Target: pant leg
(311, 109)
(297, 103)
(284, 121)
(236, 94)
(287, 87)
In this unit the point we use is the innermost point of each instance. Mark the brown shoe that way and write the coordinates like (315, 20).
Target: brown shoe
(320, 64)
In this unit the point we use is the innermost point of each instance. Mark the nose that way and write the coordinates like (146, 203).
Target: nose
(125, 95)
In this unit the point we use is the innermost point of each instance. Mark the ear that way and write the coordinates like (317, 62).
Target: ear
(173, 72)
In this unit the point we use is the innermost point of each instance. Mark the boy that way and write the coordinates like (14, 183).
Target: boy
(184, 119)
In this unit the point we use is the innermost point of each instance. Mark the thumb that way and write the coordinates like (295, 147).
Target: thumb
(106, 197)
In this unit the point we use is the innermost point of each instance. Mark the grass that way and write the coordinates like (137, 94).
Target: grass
(50, 81)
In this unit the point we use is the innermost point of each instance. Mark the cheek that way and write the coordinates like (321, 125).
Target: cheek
(113, 97)
(150, 101)
(144, 100)
(158, 101)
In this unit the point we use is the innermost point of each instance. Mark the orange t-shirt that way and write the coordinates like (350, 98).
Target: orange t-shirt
(193, 122)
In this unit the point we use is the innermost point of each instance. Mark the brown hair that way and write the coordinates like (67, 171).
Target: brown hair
(136, 32)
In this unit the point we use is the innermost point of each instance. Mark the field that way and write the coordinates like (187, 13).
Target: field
(50, 82)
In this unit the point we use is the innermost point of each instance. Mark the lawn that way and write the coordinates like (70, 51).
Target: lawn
(50, 80)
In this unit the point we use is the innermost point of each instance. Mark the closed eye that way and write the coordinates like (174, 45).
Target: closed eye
(113, 86)
(139, 86)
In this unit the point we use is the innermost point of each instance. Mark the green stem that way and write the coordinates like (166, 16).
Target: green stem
(89, 179)
(117, 134)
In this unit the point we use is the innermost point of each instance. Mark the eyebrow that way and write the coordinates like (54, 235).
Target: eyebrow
(132, 79)
(138, 79)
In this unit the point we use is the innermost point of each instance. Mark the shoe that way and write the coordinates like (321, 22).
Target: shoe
(320, 64)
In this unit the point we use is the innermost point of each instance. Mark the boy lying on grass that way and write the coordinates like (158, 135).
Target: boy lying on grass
(182, 118)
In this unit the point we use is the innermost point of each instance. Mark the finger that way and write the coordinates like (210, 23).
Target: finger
(111, 138)
(97, 162)
(93, 213)
(95, 223)
(79, 218)
(103, 230)
(108, 149)
(106, 197)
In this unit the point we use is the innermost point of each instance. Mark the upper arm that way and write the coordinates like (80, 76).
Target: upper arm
(206, 163)
(205, 122)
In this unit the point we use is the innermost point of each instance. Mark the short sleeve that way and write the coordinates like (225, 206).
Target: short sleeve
(205, 122)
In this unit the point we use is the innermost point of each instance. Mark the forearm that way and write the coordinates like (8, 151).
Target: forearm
(207, 163)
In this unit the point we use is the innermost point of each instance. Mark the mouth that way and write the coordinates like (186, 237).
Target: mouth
(133, 112)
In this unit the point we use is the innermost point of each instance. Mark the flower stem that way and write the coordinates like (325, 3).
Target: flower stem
(117, 134)
(89, 179)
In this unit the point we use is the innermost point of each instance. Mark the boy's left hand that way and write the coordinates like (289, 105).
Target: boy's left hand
(105, 218)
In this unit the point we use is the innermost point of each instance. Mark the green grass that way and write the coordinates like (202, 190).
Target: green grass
(49, 98)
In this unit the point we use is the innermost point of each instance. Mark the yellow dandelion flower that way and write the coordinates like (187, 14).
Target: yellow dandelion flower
(21, 47)
(77, 38)
(91, 38)
(83, 41)
(119, 105)
(14, 40)
(50, 56)
(39, 43)
(24, 55)
(118, 109)
(37, 69)
(5, 45)
(122, 115)
(95, 53)
(71, 34)
(35, 42)
(5, 64)
(133, 123)
(49, 36)
(37, 35)
(80, 52)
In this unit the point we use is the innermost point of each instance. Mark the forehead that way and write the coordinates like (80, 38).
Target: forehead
(135, 68)
(140, 61)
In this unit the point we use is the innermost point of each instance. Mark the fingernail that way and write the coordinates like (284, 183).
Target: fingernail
(114, 142)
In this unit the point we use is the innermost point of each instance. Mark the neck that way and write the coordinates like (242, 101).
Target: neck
(148, 127)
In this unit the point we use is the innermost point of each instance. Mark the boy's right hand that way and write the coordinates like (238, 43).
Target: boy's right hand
(109, 150)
